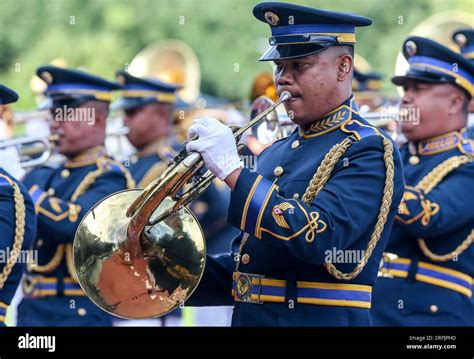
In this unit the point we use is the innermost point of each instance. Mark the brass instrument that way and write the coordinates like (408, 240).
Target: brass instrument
(172, 61)
(141, 253)
(33, 151)
(276, 125)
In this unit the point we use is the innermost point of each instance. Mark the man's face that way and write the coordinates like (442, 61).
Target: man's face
(142, 122)
(433, 102)
(78, 128)
(311, 80)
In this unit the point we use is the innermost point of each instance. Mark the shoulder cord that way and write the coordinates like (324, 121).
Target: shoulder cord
(19, 231)
(323, 174)
(427, 183)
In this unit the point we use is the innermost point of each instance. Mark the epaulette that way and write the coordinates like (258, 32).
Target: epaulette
(106, 164)
(360, 130)
(5, 181)
(467, 147)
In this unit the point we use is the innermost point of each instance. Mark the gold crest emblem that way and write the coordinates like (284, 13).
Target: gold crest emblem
(272, 18)
(47, 77)
(243, 286)
(121, 79)
(460, 40)
(410, 48)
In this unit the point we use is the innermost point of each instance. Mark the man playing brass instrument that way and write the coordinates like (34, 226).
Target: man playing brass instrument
(332, 186)
(79, 104)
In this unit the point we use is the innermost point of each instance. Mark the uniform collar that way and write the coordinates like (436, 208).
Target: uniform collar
(332, 120)
(86, 157)
(161, 147)
(443, 143)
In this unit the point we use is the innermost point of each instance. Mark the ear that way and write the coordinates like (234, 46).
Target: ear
(345, 64)
(456, 102)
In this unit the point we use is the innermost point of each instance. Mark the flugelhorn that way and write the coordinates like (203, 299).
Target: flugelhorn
(33, 151)
(141, 253)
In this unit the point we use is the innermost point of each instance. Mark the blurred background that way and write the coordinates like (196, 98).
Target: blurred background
(103, 36)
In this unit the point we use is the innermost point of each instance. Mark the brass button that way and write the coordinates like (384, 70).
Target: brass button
(414, 160)
(65, 173)
(81, 312)
(51, 191)
(245, 259)
(296, 196)
(433, 308)
(39, 243)
(278, 171)
(295, 144)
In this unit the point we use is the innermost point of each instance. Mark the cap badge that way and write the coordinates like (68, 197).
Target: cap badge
(410, 48)
(272, 18)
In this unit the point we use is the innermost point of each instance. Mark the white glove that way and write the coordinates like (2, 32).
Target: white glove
(216, 144)
(10, 162)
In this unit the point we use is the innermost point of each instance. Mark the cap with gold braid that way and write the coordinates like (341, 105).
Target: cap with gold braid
(72, 88)
(299, 31)
(432, 62)
(138, 91)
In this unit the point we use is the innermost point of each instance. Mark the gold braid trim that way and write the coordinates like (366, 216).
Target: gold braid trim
(70, 263)
(19, 230)
(427, 183)
(322, 176)
(51, 265)
(432, 179)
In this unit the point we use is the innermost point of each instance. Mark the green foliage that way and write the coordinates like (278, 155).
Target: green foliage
(103, 36)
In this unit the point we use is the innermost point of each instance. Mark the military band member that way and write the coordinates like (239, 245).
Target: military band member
(17, 225)
(465, 41)
(428, 268)
(333, 186)
(148, 107)
(79, 104)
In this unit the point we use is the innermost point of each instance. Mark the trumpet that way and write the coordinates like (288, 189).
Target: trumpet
(141, 253)
(33, 151)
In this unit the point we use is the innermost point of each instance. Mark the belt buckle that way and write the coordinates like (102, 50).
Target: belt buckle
(243, 287)
(28, 284)
(386, 258)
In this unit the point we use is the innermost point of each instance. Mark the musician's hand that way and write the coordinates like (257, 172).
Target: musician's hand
(10, 162)
(216, 144)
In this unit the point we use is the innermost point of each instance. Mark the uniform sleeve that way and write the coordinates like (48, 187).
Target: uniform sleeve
(343, 213)
(59, 219)
(7, 230)
(443, 209)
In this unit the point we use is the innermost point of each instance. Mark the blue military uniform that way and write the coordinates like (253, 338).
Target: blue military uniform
(428, 268)
(284, 267)
(17, 225)
(62, 196)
